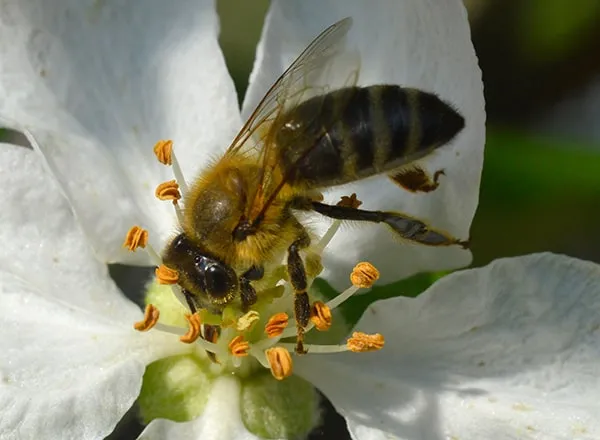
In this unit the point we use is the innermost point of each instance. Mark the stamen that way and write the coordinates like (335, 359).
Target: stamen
(239, 347)
(364, 275)
(136, 237)
(362, 342)
(193, 332)
(164, 151)
(247, 322)
(320, 316)
(168, 191)
(280, 362)
(342, 297)
(151, 315)
(277, 324)
(167, 276)
(349, 202)
(165, 155)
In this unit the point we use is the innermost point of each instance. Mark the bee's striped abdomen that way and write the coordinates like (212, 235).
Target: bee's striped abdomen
(357, 132)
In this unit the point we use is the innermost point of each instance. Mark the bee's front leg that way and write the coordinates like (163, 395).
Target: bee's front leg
(248, 293)
(297, 275)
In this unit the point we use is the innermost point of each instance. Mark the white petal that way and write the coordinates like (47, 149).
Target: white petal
(416, 43)
(66, 373)
(506, 351)
(221, 419)
(42, 243)
(99, 83)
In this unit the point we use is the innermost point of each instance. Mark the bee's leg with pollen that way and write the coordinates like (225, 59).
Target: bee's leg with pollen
(297, 274)
(248, 293)
(407, 227)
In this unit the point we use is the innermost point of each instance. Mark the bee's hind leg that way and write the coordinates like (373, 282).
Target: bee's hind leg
(297, 275)
(405, 226)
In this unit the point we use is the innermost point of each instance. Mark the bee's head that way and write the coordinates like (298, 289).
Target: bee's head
(212, 282)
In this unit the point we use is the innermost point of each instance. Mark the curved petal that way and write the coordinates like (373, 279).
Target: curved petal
(416, 43)
(42, 243)
(507, 351)
(66, 373)
(99, 84)
(221, 419)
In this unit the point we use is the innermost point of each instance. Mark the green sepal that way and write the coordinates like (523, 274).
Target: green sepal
(175, 388)
(279, 408)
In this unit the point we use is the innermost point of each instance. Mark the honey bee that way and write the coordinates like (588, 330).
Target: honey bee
(302, 139)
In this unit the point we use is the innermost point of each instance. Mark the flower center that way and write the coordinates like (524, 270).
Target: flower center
(263, 336)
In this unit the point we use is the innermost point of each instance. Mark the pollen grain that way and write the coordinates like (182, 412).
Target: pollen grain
(168, 191)
(280, 361)
(239, 347)
(194, 330)
(276, 324)
(136, 237)
(151, 315)
(164, 151)
(364, 275)
(246, 322)
(320, 316)
(362, 342)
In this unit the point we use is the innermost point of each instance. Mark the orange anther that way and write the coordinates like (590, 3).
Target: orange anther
(239, 346)
(320, 316)
(164, 275)
(280, 362)
(362, 342)
(164, 151)
(349, 202)
(276, 324)
(364, 275)
(136, 237)
(194, 330)
(151, 315)
(168, 191)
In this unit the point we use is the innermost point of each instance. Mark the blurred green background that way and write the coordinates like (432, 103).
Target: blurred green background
(541, 177)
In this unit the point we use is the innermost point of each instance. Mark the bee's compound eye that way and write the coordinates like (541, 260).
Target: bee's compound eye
(220, 281)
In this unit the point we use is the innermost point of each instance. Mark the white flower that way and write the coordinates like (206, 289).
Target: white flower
(98, 84)
(95, 86)
(506, 351)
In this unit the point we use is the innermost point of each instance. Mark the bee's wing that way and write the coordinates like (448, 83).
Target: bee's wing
(309, 75)
(324, 65)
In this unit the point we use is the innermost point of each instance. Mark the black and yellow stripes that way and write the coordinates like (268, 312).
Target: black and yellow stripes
(357, 132)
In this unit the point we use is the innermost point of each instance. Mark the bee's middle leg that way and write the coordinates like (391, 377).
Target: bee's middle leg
(297, 275)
